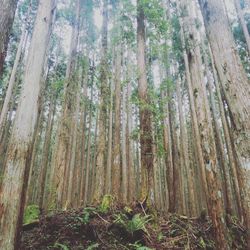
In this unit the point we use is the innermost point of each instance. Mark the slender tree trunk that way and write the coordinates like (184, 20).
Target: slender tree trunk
(168, 157)
(7, 14)
(108, 179)
(101, 145)
(232, 161)
(70, 187)
(87, 182)
(243, 23)
(18, 159)
(130, 152)
(184, 152)
(123, 151)
(145, 113)
(221, 152)
(45, 154)
(61, 158)
(116, 168)
(12, 80)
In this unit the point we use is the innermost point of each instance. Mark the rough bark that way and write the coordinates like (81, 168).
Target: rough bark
(101, 144)
(116, 168)
(7, 14)
(61, 158)
(18, 158)
(243, 23)
(235, 86)
(145, 113)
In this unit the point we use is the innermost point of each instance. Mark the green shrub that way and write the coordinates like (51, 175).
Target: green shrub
(31, 213)
(138, 222)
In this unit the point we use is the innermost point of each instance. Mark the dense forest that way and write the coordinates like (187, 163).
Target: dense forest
(135, 113)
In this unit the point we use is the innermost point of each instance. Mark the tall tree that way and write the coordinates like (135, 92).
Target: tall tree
(101, 144)
(146, 138)
(7, 13)
(61, 158)
(234, 84)
(20, 145)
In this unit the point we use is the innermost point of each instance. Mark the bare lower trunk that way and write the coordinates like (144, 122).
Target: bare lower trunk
(18, 159)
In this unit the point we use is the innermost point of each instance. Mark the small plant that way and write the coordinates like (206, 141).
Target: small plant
(137, 223)
(86, 215)
(138, 246)
(106, 203)
(61, 246)
(93, 246)
(31, 214)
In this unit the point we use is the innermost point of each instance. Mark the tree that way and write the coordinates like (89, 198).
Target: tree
(20, 145)
(234, 85)
(145, 113)
(7, 14)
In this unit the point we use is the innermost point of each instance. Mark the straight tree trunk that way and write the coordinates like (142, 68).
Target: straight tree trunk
(124, 185)
(87, 181)
(243, 23)
(184, 153)
(18, 159)
(146, 139)
(235, 86)
(101, 144)
(45, 154)
(116, 168)
(61, 158)
(7, 14)
(12, 81)
(130, 151)
(232, 161)
(208, 146)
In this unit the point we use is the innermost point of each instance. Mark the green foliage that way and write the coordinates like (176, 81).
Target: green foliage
(61, 246)
(86, 215)
(138, 246)
(106, 203)
(138, 222)
(155, 14)
(31, 214)
(160, 236)
(202, 243)
(93, 246)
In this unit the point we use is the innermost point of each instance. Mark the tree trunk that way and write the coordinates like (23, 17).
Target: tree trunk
(101, 144)
(12, 80)
(61, 158)
(7, 14)
(235, 86)
(116, 168)
(124, 185)
(45, 154)
(243, 23)
(18, 159)
(146, 139)
(184, 153)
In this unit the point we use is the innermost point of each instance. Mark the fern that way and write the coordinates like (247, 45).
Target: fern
(137, 223)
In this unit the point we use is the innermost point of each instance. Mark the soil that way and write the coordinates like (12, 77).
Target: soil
(90, 229)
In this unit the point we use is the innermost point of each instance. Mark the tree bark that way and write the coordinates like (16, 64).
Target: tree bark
(18, 159)
(235, 86)
(7, 14)
(243, 23)
(116, 168)
(101, 144)
(146, 139)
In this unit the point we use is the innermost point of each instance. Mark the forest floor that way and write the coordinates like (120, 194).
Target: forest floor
(121, 228)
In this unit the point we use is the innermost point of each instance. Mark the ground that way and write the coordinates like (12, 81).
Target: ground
(131, 228)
